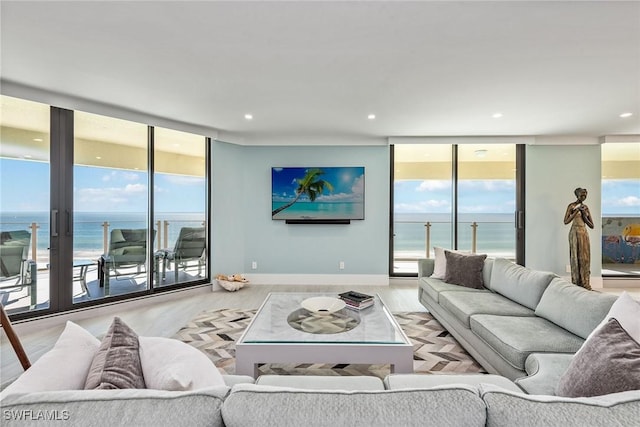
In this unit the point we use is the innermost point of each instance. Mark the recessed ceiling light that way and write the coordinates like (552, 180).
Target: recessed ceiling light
(625, 115)
(176, 145)
(248, 116)
(37, 139)
(496, 115)
(371, 116)
(98, 157)
(27, 156)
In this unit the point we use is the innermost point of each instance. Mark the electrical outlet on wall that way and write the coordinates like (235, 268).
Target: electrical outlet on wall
(254, 265)
(341, 265)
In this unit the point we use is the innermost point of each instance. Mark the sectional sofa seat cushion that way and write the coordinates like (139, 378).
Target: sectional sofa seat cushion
(505, 408)
(514, 338)
(520, 284)
(573, 307)
(433, 288)
(609, 362)
(313, 382)
(463, 305)
(465, 269)
(130, 407)
(419, 381)
(249, 405)
(543, 372)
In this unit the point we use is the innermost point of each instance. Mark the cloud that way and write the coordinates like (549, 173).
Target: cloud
(185, 180)
(423, 206)
(95, 199)
(358, 185)
(433, 185)
(628, 201)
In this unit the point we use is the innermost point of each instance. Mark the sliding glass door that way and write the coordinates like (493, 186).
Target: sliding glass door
(453, 196)
(24, 204)
(95, 208)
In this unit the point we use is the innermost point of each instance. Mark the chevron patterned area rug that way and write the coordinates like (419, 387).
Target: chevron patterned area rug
(434, 349)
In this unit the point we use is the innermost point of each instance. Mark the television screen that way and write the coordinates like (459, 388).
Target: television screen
(317, 193)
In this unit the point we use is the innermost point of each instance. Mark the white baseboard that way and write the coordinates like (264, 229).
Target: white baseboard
(318, 279)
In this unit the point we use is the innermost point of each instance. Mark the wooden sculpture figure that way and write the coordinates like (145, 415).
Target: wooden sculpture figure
(579, 248)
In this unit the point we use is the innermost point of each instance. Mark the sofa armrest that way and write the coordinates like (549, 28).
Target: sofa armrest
(425, 267)
(545, 370)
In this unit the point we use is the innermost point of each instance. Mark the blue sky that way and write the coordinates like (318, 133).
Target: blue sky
(619, 197)
(25, 188)
(347, 182)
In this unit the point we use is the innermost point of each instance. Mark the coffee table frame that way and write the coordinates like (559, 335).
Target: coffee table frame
(399, 355)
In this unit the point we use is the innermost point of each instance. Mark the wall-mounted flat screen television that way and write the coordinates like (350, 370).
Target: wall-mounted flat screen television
(317, 194)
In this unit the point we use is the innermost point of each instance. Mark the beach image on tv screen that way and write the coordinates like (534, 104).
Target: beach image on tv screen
(317, 193)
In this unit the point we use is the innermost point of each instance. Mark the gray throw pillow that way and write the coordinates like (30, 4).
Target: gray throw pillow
(464, 270)
(117, 361)
(609, 362)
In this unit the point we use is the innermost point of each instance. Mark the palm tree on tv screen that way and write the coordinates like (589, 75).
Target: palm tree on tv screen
(311, 185)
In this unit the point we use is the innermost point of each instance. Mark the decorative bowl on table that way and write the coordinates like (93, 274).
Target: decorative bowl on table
(323, 305)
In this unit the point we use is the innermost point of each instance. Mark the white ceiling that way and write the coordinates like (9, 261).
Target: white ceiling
(319, 68)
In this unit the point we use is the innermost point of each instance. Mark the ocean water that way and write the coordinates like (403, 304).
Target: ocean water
(301, 210)
(496, 234)
(88, 230)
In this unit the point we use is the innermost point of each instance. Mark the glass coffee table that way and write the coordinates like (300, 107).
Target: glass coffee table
(284, 332)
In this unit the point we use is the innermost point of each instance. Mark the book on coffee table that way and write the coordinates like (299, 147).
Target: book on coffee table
(356, 300)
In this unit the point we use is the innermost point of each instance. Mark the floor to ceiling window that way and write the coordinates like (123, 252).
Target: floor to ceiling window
(110, 206)
(453, 196)
(621, 209)
(95, 208)
(24, 204)
(180, 196)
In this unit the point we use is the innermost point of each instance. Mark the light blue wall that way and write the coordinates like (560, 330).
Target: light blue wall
(242, 229)
(228, 224)
(552, 173)
(242, 211)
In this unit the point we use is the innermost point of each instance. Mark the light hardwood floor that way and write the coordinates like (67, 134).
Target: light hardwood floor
(164, 315)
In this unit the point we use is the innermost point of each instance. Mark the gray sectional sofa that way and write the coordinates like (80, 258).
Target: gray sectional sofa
(400, 400)
(524, 324)
(519, 312)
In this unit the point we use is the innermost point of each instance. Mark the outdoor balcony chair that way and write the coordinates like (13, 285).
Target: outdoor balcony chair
(189, 247)
(16, 271)
(127, 249)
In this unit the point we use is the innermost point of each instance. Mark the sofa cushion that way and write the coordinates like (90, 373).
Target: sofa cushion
(515, 338)
(505, 408)
(464, 270)
(520, 284)
(318, 382)
(625, 310)
(433, 288)
(169, 364)
(403, 381)
(609, 362)
(130, 407)
(463, 305)
(573, 307)
(117, 361)
(440, 263)
(64, 367)
(543, 372)
(249, 405)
